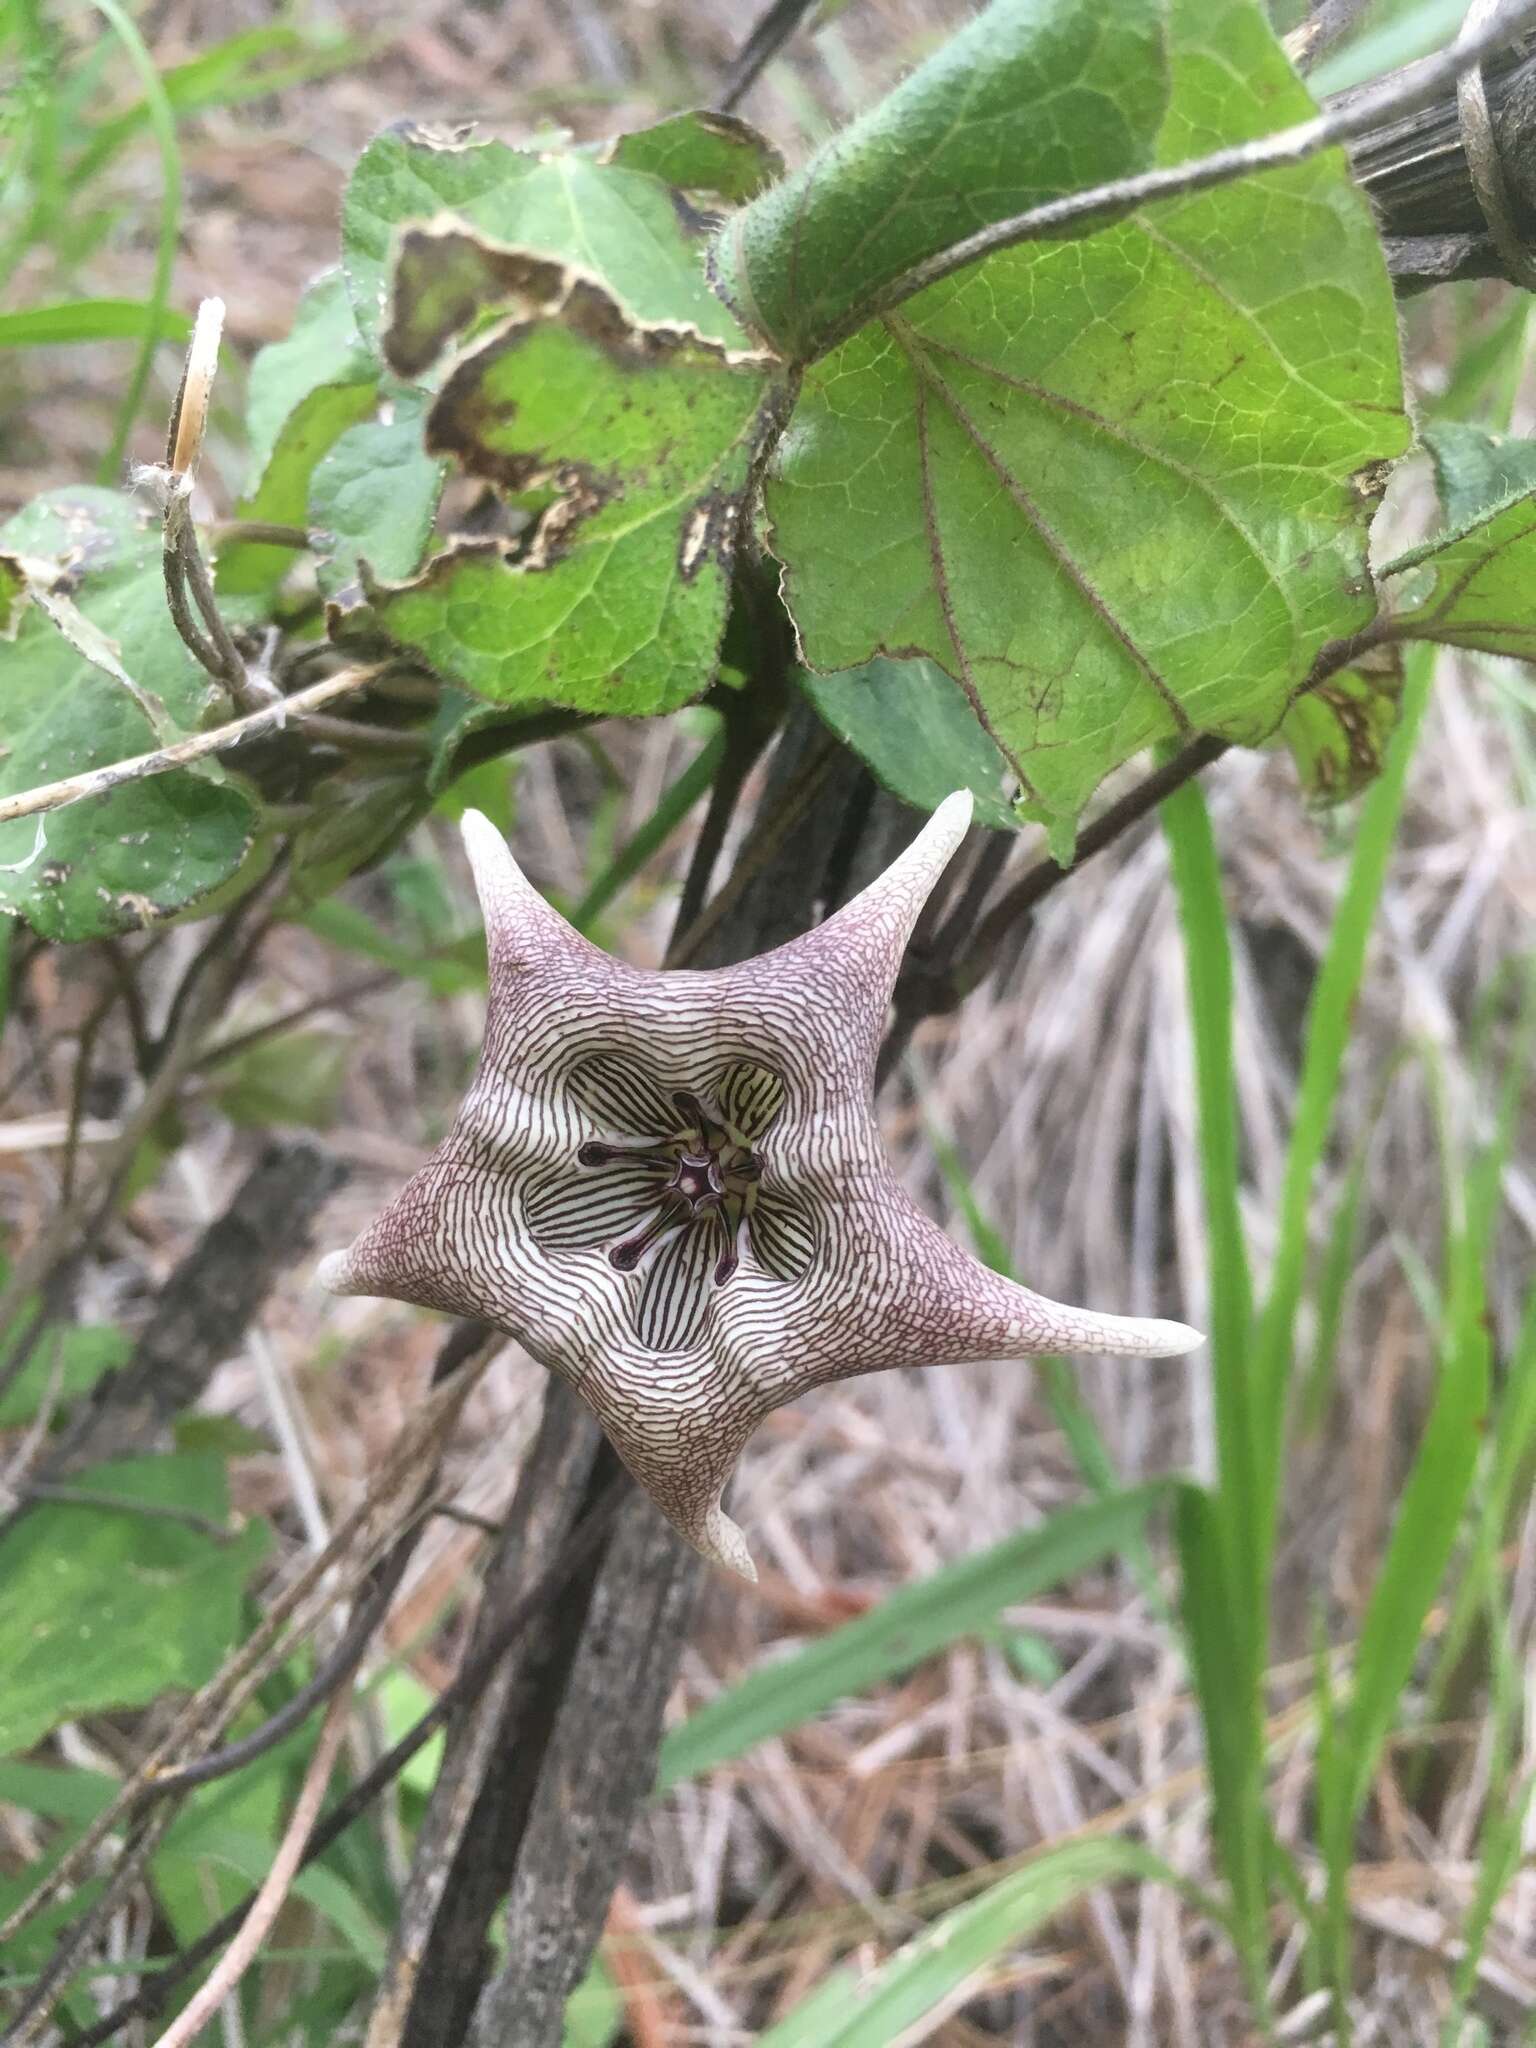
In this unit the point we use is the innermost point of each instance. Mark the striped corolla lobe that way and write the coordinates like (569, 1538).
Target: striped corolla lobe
(671, 1189)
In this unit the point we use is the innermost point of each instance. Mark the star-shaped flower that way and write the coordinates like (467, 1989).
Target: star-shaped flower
(670, 1188)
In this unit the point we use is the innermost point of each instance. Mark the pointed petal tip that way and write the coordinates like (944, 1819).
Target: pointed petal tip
(944, 831)
(956, 811)
(723, 1543)
(334, 1273)
(1050, 1328)
(487, 850)
(1170, 1340)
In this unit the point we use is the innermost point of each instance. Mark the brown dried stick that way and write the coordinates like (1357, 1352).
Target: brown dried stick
(52, 796)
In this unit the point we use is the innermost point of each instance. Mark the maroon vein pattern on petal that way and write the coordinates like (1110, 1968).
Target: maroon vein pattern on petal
(582, 1206)
(675, 1292)
(581, 1047)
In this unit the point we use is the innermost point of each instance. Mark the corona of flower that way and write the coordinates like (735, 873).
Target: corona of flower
(671, 1189)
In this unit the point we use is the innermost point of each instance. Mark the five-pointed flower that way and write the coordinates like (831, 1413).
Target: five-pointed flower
(671, 1189)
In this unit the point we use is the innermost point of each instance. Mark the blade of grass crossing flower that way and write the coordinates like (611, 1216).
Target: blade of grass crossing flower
(911, 1991)
(676, 803)
(907, 1626)
(162, 123)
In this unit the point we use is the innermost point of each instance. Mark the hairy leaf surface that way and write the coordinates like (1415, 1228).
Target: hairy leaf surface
(1475, 469)
(713, 155)
(1475, 585)
(1025, 104)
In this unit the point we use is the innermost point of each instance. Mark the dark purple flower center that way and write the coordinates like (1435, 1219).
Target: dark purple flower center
(681, 1195)
(705, 1172)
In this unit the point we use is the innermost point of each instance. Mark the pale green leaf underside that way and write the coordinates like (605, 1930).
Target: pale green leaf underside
(917, 734)
(319, 419)
(373, 499)
(1477, 470)
(617, 225)
(714, 154)
(324, 347)
(117, 862)
(1117, 487)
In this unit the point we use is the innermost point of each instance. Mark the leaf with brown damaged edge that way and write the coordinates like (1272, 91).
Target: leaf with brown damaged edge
(446, 276)
(1337, 731)
(709, 154)
(13, 594)
(627, 228)
(632, 444)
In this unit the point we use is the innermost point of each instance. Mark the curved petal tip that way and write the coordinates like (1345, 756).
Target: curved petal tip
(954, 814)
(722, 1543)
(1169, 1339)
(334, 1273)
(489, 855)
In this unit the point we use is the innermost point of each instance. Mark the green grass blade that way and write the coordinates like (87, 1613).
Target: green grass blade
(1338, 1268)
(1226, 1627)
(75, 320)
(676, 803)
(1196, 871)
(1329, 1019)
(933, 1973)
(908, 1625)
(1511, 1454)
(162, 122)
(1430, 1516)
(1231, 1714)
(243, 67)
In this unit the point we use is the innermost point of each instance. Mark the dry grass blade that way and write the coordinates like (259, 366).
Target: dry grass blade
(269, 1900)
